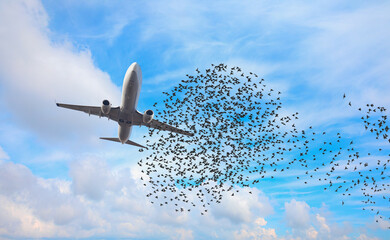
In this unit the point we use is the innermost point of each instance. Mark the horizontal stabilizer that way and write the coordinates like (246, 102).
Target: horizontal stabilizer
(127, 142)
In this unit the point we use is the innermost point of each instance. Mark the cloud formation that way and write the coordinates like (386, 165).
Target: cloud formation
(319, 50)
(107, 202)
(37, 207)
(297, 214)
(100, 201)
(34, 72)
(3, 155)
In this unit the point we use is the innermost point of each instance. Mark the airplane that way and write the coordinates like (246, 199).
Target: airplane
(126, 115)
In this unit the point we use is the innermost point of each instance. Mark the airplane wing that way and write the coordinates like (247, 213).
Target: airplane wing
(163, 126)
(160, 125)
(113, 114)
(127, 142)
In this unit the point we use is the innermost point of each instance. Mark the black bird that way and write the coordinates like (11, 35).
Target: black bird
(242, 138)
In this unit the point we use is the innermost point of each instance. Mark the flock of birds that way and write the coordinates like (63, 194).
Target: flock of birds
(242, 138)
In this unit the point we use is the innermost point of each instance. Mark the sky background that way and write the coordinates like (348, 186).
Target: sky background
(58, 180)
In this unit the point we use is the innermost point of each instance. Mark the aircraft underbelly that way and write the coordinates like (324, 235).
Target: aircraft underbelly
(130, 95)
(131, 88)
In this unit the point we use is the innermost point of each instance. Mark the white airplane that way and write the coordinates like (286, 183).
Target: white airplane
(127, 115)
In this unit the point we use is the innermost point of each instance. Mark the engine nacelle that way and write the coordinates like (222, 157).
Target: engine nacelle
(106, 107)
(148, 116)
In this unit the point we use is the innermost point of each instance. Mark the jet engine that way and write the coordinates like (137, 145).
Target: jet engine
(106, 107)
(148, 116)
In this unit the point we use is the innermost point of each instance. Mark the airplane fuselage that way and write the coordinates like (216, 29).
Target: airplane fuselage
(126, 115)
(130, 94)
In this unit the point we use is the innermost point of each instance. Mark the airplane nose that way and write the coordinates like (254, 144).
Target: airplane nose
(136, 67)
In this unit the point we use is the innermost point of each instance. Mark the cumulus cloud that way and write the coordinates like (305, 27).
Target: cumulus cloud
(91, 177)
(365, 237)
(311, 233)
(256, 230)
(297, 214)
(322, 223)
(258, 233)
(17, 220)
(243, 207)
(34, 72)
(36, 205)
(101, 201)
(97, 201)
(261, 221)
(310, 223)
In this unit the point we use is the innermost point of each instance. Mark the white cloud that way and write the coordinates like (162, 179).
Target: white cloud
(184, 234)
(34, 72)
(297, 214)
(45, 201)
(100, 201)
(18, 220)
(261, 221)
(3, 154)
(322, 222)
(382, 223)
(365, 237)
(91, 178)
(243, 207)
(325, 49)
(256, 234)
(255, 230)
(78, 208)
(311, 223)
(311, 233)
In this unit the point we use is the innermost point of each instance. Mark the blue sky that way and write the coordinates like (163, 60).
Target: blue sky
(58, 180)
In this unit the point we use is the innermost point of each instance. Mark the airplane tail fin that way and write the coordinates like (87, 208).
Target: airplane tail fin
(127, 142)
